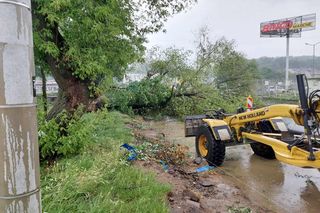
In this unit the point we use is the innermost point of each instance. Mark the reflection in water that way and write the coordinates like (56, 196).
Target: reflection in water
(257, 176)
(258, 170)
(274, 185)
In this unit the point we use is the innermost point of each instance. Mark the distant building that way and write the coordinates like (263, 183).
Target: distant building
(273, 87)
(132, 77)
(314, 82)
(51, 86)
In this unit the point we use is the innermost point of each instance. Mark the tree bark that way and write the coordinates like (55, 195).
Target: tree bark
(72, 94)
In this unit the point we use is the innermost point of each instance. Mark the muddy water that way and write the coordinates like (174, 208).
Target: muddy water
(271, 184)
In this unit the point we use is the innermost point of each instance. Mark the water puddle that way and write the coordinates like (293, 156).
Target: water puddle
(277, 186)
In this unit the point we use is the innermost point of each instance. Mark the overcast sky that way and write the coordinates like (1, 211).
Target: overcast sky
(240, 20)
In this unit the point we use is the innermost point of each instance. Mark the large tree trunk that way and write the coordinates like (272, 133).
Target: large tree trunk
(72, 94)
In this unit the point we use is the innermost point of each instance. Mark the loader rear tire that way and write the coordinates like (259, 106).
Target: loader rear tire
(207, 147)
(263, 150)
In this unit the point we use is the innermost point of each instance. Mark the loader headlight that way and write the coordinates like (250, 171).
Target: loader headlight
(222, 133)
(279, 125)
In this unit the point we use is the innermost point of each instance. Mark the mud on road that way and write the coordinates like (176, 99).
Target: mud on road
(209, 191)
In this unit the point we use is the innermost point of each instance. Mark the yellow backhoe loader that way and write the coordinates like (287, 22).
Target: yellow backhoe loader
(265, 129)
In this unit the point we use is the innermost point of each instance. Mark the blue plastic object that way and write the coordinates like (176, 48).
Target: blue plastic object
(164, 166)
(204, 168)
(128, 147)
(133, 154)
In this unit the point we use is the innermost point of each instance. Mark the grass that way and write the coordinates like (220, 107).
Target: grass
(99, 179)
(232, 209)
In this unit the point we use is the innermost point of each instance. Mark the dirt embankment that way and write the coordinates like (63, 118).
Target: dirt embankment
(192, 191)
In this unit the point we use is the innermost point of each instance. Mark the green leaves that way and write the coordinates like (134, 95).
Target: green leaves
(146, 94)
(64, 137)
(228, 69)
(93, 39)
(234, 74)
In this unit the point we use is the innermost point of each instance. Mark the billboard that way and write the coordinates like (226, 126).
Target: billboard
(288, 26)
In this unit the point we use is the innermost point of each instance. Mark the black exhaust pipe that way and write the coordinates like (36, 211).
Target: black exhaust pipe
(306, 112)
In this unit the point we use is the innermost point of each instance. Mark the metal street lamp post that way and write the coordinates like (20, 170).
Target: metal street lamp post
(314, 54)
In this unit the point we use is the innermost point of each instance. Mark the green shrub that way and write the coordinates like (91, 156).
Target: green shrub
(63, 136)
(99, 179)
(49, 137)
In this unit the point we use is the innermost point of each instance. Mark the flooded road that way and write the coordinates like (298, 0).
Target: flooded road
(274, 185)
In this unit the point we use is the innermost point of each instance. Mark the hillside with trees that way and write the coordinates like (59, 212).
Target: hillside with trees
(273, 68)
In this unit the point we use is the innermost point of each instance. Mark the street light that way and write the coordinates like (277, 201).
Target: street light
(314, 53)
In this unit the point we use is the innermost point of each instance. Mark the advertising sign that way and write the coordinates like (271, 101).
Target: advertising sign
(291, 27)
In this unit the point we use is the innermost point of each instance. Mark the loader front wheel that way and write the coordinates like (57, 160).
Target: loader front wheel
(209, 148)
(263, 150)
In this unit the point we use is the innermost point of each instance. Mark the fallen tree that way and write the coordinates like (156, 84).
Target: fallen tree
(220, 77)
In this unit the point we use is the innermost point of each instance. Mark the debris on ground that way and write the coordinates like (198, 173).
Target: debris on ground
(204, 168)
(164, 166)
(239, 210)
(198, 160)
(190, 195)
(194, 188)
(133, 154)
(206, 182)
(193, 203)
(152, 145)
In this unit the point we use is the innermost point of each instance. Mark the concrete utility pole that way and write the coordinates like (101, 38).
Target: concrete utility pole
(287, 63)
(314, 55)
(19, 155)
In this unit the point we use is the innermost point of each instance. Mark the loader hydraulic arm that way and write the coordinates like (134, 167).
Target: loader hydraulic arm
(280, 110)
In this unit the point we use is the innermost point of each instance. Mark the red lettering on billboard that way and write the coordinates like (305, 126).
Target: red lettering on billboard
(277, 26)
